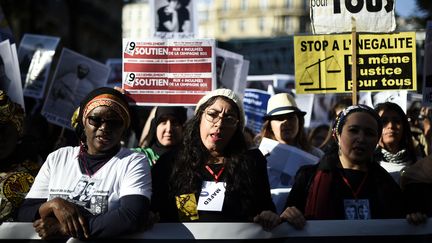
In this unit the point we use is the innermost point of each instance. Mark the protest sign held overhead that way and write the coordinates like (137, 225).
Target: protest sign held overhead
(35, 55)
(75, 76)
(168, 72)
(384, 62)
(9, 72)
(255, 107)
(231, 71)
(173, 19)
(334, 16)
(115, 77)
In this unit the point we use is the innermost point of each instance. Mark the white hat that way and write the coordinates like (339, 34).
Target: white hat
(228, 94)
(281, 104)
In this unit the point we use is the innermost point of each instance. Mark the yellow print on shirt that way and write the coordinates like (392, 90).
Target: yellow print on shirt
(187, 207)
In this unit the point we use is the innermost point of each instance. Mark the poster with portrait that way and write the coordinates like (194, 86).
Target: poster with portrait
(35, 55)
(115, 77)
(231, 71)
(174, 19)
(9, 72)
(283, 161)
(75, 76)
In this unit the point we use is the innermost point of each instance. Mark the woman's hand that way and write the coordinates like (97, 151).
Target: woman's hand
(293, 216)
(67, 214)
(267, 219)
(49, 228)
(416, 218)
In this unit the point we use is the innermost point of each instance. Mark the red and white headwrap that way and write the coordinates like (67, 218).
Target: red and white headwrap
(111, 101)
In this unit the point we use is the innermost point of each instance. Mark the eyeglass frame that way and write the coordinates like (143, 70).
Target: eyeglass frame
(215, 120)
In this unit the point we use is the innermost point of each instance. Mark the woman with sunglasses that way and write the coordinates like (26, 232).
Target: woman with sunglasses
(120, 178)
(212, 176)
(396, 147)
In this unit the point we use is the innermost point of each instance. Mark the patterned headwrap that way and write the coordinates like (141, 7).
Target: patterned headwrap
(342, 116)
(111, 101)
(11, 112)
(100, 97)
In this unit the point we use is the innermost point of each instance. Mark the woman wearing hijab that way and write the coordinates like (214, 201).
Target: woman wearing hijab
(165, 133)
(121, 178)
(347, 176)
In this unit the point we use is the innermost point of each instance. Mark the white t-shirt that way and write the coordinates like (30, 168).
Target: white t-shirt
(127, 173)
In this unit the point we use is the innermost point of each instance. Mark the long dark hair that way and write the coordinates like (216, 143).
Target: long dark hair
(406, 141)
(193, 156)
(301, 138)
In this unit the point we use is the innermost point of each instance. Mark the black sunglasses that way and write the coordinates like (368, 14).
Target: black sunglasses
(98, 121)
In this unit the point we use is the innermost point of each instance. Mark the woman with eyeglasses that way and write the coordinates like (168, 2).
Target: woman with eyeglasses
(212, 176)
(396, 147)
(121, 182)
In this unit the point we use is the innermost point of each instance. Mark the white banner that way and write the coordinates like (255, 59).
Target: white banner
(338, 230)
(334, 16)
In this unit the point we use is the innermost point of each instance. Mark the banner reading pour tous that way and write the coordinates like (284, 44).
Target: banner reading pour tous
(168, 72)
(384, 62)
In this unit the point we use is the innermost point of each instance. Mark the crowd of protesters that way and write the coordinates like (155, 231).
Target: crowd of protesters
(204, 167)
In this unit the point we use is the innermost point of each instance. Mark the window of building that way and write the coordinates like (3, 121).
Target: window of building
(261, 24)
(288, 25)
(289, 3)
(244, 4)
(242, 25)
(223, 25)
(225, 5)
(263, 4)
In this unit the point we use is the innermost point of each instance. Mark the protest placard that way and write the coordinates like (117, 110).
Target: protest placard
(75, 76)
(115, 77)
(283, 161)
(9, 73)
(255, 107)
(384, 62)
(35, 55)
(173, 19)
(334, 16)
(231, 72)
(168, 72)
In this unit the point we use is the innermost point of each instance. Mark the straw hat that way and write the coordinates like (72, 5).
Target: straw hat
(281, 104)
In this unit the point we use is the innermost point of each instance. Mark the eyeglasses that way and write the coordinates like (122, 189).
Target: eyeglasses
(213, 116)
(98, 121)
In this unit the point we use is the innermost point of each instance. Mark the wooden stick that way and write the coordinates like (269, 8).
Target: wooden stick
(354, 60)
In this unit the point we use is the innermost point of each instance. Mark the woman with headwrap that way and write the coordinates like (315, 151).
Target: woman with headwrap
(121, 178)
(395, 148)
(17, 167)
(165, 133)
(347, 176)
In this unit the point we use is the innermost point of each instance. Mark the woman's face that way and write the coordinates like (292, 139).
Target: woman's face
(103, 130)
(358, 138)
(285, 128)
(218, 124)
(169, 131)
(392, 128)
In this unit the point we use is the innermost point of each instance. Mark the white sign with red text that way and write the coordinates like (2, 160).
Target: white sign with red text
(168, 72)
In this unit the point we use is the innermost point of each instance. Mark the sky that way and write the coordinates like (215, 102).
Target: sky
(405, 8)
